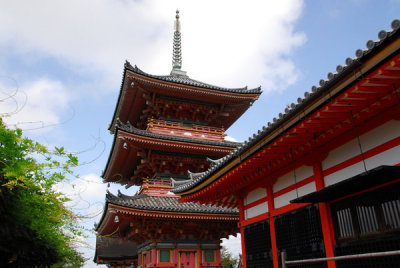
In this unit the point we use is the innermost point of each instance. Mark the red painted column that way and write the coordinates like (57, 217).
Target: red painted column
(153, 260)
(326, 219)
(218, 257)
(200, 254)
(240, 198)
(174, 257)
(271, 207)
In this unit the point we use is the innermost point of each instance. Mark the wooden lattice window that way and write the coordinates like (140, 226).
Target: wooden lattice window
(209, 256)
(165, 255)
(374, 213)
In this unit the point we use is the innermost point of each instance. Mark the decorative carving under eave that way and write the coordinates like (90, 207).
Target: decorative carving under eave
(139, 231)
(163, 163)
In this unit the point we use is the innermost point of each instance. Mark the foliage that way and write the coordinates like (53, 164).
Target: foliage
(36, 228)
(227, 259)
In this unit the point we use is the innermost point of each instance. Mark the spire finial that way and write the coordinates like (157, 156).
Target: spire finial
(177, 53)
(177, 23)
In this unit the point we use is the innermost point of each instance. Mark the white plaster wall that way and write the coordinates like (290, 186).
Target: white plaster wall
(306, 189)
(304, 172)
(369, 140)
(389, 157)
(256, 210)
(287, 180)
(340, 154)
(255, 195)
(380, 135)
(344, 173)
(283, 182)
(284, 199)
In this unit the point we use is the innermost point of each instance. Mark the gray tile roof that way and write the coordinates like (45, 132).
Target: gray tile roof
(186, 80)
(164, 203)
(131, 129)
(351, 64)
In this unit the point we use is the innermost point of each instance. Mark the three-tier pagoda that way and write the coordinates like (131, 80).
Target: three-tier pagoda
(167, 130)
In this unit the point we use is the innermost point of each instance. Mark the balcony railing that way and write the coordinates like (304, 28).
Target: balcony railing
(192, 131)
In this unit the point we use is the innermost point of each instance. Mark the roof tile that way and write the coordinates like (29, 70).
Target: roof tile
(163, 203)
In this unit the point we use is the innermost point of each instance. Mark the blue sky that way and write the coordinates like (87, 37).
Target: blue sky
(62, 62)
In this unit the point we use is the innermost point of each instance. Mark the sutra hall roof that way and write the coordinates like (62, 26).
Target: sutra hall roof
(351, 65)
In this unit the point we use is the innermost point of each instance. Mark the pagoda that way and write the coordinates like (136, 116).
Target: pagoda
(167, 130)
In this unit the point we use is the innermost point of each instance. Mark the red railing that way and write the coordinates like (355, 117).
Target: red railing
(158, 122)
(157, 182)
(178, 129)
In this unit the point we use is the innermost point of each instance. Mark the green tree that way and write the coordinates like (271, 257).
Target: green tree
(227, 259)
(36, 228)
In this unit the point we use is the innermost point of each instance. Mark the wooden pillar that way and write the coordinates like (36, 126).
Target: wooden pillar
(175, 255)
(240, 199)
(154, 257)
(326, 219)
(197, 255)
(200, 254)
(218, 257)
(271, 207)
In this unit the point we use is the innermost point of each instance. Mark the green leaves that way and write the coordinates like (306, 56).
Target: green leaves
(30, 208)
(59, 151)
(72, 160)
(227, 259)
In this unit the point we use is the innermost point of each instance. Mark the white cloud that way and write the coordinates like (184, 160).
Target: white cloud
(233, 244)
(87, 195)
(38, 104)
(229, 138)
(230, 43)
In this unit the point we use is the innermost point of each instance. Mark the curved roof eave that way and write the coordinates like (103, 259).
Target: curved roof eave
(165, 204)
(131, 129)
(178, 79)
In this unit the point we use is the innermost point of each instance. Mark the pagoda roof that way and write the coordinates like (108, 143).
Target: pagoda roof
(164, 203)
(146, 139)
(296, 111)
(178, 86)
(186, 80)
(136, 217)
